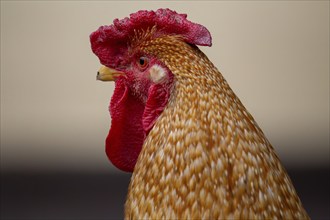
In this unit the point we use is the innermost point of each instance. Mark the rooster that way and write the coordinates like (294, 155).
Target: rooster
(194, 150)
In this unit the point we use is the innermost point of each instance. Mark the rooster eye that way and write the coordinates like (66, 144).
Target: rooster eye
(143, 62)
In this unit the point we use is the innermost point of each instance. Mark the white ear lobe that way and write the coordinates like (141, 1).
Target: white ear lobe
(157, 73)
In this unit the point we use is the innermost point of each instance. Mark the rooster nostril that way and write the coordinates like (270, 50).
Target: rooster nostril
(98, 73)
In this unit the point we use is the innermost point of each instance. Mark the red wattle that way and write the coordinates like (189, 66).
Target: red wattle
(131, 122)
(157, 100)
(126, 134)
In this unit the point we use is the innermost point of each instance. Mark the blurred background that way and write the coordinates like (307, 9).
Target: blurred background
(54, 116)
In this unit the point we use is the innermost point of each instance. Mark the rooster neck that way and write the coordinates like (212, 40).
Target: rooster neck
(206, 157)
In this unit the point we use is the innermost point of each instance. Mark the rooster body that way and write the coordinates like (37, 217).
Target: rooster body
(202, 155)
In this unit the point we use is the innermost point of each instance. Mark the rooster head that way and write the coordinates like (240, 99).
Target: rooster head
(143, 83)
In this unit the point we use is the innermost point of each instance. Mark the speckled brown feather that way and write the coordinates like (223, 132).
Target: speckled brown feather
(206, 157)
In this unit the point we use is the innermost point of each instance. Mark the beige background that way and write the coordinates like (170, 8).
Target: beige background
(275, 56)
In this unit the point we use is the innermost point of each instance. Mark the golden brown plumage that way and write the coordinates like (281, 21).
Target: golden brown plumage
(203, 156)
(206, 157)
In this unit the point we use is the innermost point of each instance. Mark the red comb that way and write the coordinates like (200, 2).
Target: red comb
(110, 42)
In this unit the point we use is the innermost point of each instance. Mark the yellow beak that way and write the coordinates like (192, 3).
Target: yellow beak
(107, 74)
